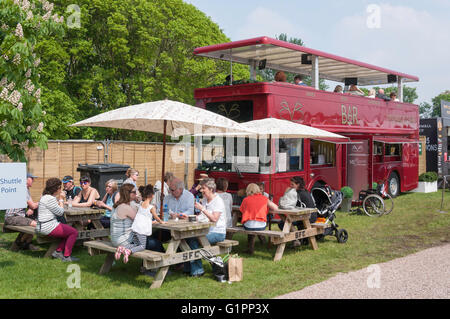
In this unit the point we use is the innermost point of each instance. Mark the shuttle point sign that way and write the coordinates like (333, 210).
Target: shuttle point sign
(13, 185)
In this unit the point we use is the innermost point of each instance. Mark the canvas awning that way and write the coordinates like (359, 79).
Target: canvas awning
(394, 140)
(293, 58)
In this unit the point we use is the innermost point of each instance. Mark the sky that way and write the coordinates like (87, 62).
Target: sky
(411, 37)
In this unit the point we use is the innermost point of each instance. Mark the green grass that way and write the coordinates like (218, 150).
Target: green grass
(415, 224)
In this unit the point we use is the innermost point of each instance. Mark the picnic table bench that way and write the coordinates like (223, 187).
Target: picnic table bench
(289, 232)
(180, 230)
(41, 239)
(75, 217)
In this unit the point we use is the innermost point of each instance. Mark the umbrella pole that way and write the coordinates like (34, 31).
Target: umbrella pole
(161, 213)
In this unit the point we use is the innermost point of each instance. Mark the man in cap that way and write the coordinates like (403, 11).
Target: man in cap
(70, 188)
(24, 217)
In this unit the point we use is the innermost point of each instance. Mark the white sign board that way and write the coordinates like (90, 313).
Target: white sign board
(13, 185)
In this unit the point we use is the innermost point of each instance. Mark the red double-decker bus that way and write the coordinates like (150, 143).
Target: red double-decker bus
(383, 135)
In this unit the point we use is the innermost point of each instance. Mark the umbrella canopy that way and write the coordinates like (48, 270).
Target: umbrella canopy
(287, 129)
(280, 129)
(181, 119)
(166, 117)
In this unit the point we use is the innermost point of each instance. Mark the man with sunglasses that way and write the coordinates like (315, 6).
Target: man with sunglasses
(70, 188)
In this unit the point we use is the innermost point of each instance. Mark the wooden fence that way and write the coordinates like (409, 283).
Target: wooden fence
(62, 158)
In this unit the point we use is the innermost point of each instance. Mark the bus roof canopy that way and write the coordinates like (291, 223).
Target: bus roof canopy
(293, 58)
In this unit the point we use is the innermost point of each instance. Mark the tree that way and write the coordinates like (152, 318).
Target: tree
(428, 110)
(23, 24)
(128, 52)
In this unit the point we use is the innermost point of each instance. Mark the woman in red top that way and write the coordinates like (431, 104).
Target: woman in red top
(254, 209)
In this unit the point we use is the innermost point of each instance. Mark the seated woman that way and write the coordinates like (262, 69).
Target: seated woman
(338, 89)
(88, 196)
(254, 209)
(122, 217)
(280, 76)
(290, 198)
(221, 190)
(111, 197)
(142, 225)
(304, 199)
(51, 205)
(213, 208)
(355, 90)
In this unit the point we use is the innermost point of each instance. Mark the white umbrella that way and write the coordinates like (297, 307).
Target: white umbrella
(273, 127)
(166, 117)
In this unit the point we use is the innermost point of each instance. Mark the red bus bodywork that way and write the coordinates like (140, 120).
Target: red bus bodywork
(359, 118)
(375, 127)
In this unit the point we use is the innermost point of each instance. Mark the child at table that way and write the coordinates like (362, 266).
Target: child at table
(142, 225)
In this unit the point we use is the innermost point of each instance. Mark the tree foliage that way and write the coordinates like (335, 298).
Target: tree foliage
(127, 52)
(428, 110)
(22, 24)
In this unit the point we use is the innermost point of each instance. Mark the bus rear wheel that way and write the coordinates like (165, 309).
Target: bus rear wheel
(393, 185)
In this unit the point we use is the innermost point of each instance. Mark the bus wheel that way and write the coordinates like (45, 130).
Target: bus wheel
(393, 185)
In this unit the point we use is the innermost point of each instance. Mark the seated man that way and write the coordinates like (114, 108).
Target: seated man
(180, 203)
(381, 95)
(298, 79)
(70, 188)
(24, 217)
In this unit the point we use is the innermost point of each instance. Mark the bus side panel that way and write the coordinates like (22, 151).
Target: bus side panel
(410, 164)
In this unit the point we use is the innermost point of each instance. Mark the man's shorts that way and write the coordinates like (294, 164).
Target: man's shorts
(18, 221)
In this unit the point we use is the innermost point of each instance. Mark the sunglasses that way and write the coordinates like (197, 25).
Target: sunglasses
(133, 192)
(172, 190)
(84, 183)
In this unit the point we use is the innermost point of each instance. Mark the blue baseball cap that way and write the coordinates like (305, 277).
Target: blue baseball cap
(67, 179)
(29, 175)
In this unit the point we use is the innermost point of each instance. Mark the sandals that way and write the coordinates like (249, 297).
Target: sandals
(119, 251)
(126, 253)
(122, 250)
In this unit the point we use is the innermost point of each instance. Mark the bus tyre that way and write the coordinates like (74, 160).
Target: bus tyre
(393, 185)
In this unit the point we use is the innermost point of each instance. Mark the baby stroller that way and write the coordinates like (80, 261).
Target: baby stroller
(327, 202)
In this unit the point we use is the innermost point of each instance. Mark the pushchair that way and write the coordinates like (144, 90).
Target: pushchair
(327, 202)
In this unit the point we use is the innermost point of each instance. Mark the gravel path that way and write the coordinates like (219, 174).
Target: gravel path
(423, 275)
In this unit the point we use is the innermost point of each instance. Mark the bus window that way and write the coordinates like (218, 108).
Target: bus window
(393, 149)
(290, 154)
(378, 152)
(322, 153)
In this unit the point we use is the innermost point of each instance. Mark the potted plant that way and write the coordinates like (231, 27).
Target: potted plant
(427, 183)
(347, 194)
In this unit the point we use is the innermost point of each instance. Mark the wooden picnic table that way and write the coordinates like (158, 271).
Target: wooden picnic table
(180, 231)
(289, 232)
(77, 217)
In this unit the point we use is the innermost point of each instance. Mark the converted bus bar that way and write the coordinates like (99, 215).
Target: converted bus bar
(383, 135)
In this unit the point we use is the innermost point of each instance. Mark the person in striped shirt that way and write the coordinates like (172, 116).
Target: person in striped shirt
(51, 206)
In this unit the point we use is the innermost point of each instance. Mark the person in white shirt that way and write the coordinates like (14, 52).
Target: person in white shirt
(213, 208)
(221, 190)
(371, 94)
